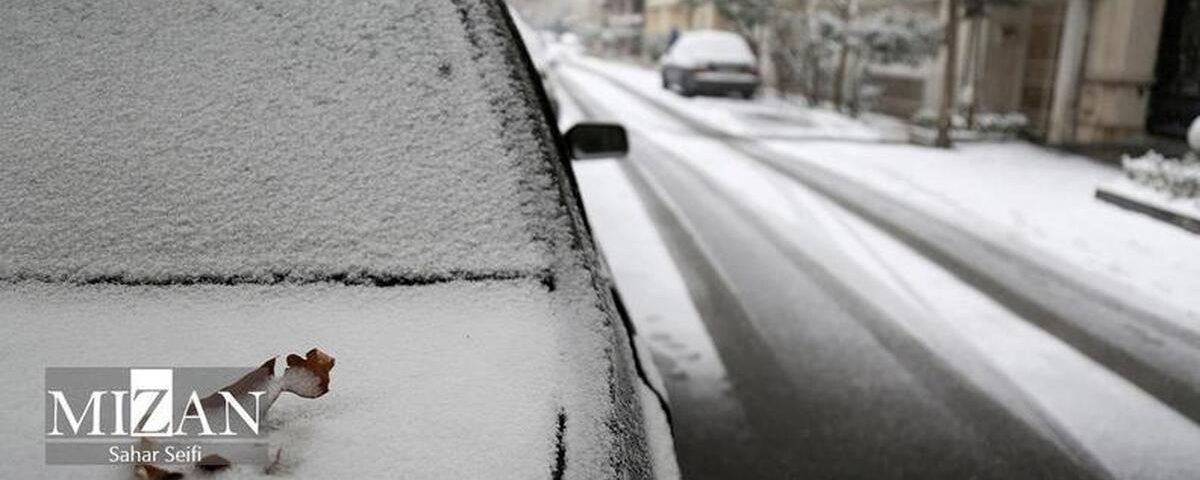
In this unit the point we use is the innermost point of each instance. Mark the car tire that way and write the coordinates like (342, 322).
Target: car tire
(749, 94)
(666, 84)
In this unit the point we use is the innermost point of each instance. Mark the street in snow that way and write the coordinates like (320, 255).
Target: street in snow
(600, 239)
(850, 336)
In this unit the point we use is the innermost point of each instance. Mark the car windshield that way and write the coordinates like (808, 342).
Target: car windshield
(286, 141)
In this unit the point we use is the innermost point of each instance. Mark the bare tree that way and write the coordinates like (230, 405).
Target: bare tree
(812, 54)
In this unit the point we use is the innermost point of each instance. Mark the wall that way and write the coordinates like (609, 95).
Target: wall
(1006, 37)
(1119, 70)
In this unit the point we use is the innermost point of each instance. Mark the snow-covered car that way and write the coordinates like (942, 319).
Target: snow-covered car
(710, 62)
(198, 184)
(571, 43)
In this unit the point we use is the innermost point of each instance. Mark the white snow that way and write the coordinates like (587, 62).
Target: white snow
(1034, 197)
(1079, 396)
(242, 142)
(1187, 207)
(1056, 383)
(767, 117)
(450, 381)
(1193, 135)
(220, 139)
(710, 46)
(651, 286)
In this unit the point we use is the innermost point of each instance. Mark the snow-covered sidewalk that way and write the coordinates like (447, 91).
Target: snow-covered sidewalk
(1034, 197)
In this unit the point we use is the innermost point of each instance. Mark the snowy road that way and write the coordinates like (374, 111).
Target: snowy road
(850, 350)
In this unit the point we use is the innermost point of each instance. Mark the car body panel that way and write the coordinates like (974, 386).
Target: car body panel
(710, 62)
(219, 183)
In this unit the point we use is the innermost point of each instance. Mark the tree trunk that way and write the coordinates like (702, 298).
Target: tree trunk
(812, 55)
(840, 81)
(783, 79)
(814, 74)
(949, 77)
(848, 16)
(856, 83)
(973, 68)
(779, 35)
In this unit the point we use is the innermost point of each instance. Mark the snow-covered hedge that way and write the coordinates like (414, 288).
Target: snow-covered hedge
(1003, 123)
(1178, 178)
(1012, 122)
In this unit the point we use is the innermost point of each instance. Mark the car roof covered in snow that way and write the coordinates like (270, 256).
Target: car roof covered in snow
(216, 183)
(228, 141)
(713, 46)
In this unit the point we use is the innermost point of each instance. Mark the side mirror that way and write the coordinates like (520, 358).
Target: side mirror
(597, 140)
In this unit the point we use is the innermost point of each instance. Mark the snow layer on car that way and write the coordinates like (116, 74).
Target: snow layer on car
(161, 162)
(714, 46)
(459, 380)
(256, 140)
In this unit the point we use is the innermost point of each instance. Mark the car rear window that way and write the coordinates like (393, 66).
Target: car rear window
(155, 142)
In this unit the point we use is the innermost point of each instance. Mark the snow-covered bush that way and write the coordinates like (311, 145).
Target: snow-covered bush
(928, 118)
(896, 35)
(1010, 123)
(958, 122)
(1001, 123)
(925, 118)
(1177, 178)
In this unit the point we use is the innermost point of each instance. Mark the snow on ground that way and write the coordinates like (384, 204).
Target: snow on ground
(1080, 397)
(1076, 395)
(1029, 194)
(670, 332)
(650, 285)
(668, 133)
(1032, 196)
(651, 290)
(1123, 186)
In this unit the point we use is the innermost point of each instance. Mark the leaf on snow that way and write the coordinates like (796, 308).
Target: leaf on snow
(306, 376)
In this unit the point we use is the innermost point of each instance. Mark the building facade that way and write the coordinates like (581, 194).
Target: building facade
(664, 16)
(1082, 71)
